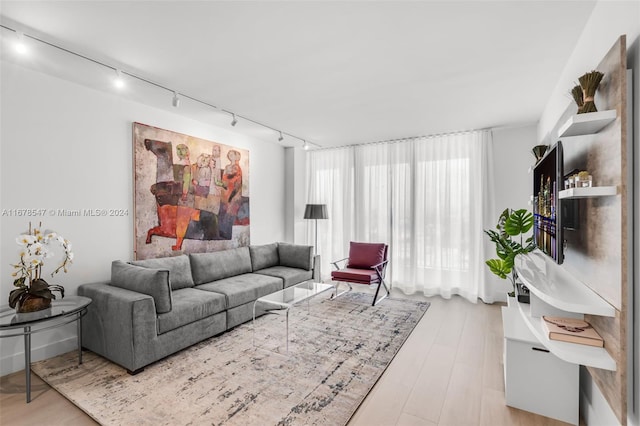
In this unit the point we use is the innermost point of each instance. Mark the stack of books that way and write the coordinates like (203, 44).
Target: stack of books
(572, 330)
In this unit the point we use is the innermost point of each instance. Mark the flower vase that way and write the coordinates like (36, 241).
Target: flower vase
(32, 303)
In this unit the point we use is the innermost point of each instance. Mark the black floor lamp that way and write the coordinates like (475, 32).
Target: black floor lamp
(316, 211)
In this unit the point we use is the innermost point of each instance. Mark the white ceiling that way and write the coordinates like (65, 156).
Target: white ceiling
(331, 72)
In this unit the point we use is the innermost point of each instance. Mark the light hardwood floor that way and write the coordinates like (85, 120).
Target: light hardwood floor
(449, 372)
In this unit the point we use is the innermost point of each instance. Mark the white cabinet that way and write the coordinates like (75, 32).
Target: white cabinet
(542, 375)
(535, 379)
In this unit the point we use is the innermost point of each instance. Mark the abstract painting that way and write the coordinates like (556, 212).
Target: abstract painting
(191, 195)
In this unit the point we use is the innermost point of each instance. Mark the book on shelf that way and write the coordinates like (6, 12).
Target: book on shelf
(571, 330)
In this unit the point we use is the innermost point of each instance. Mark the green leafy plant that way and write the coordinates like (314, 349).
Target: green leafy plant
(511, 225)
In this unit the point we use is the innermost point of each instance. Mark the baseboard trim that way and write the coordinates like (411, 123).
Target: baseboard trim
(15, 362)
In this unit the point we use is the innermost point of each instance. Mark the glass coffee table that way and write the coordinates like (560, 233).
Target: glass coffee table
(62, 311)
(283, 300)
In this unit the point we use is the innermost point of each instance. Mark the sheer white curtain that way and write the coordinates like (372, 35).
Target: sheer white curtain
(428, 197)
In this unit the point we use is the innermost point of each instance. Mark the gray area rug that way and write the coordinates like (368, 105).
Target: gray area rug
(338, 349)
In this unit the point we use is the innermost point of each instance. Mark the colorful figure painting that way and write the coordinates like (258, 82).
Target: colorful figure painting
(191, 195)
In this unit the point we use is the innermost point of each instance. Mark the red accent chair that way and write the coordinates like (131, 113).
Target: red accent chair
(367, 264)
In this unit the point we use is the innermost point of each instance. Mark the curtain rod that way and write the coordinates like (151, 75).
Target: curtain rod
(410, 138)
(461, 132)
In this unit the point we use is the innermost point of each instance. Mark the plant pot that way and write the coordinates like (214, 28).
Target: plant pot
(31, 303)
(511, 301)
(522, 293)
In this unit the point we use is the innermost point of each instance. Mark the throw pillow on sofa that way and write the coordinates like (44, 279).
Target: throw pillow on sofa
(213, 266)
(178, 266)
(264, 256)
(152, 282)
(296, 256)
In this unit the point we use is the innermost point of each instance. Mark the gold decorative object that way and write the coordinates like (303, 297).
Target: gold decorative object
(577, 94)
(589, 83)
(539, 151)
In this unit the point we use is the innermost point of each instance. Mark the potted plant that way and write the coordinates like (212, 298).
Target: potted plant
(33, 293)
(511, 225)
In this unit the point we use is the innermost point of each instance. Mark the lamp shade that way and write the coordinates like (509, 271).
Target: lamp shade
(316, 211)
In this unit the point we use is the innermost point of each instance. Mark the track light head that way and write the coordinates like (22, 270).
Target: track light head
(176, 100)
(280, 139)
(119, 81)
(19, 44)
(305, 146)
(234, 121)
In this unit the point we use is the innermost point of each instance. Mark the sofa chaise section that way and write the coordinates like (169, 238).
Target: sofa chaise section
(122, 327)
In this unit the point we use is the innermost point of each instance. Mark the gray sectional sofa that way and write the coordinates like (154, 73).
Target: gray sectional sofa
(153, 308)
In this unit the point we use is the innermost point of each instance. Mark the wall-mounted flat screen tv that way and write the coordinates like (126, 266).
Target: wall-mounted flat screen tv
(548, 180)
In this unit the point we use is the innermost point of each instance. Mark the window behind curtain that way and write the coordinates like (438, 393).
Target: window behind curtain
(423, 196)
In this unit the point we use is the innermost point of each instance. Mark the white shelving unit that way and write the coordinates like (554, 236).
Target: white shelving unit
(591, 192)
(586, 124)
(556, 292)
(569, 352)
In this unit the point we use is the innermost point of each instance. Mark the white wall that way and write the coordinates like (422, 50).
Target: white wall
(67, 146)
(512, 185)
(608, 21)
(296, 197)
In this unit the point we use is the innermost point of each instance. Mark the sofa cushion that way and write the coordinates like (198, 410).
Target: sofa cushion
(290, 276)
(153, 282)
(208, 267)
(243, 288)
(264, 256)
(366, 255)
(190, 305)
(295, 256)
(178, 267)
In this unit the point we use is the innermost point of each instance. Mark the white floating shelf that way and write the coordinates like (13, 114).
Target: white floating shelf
(586, 124)
(555, 286)
(571, 352)
(590, 192)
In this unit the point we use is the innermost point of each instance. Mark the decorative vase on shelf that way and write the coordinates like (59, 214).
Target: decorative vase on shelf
(589, 83)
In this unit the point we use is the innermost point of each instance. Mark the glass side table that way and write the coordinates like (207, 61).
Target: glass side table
(62, 312)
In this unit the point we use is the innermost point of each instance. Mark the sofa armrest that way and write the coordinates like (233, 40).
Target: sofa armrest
(116, 319)
(295, 256)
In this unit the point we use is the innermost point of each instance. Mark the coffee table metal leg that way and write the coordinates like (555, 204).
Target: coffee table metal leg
(27, 361)
(79, 322)
(253, 323)
(287, 330)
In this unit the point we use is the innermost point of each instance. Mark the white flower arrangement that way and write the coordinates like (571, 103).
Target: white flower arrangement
(35, 247)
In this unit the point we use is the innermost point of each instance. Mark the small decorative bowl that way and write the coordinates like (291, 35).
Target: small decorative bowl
(539, 151)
